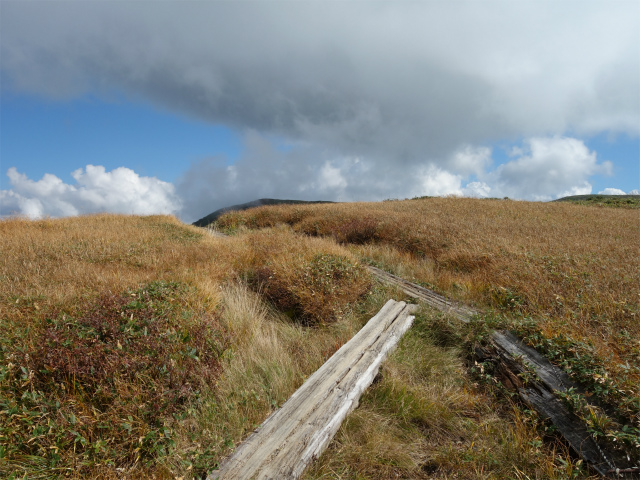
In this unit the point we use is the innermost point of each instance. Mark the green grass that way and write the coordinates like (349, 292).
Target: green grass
(614, 201)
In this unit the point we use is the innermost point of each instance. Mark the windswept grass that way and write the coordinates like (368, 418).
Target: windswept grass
(116, 329)
(270, 358)
(565, 276)
(575, 269)
(314, 280)
(138, 347)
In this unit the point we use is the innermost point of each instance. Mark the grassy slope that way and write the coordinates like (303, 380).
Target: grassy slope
(115, 329)
(567, 277)
(575, 268)
(62, 279)
(615, 201)
(212, 217)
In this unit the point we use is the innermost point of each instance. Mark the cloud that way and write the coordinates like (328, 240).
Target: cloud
(376, 100)
(436, 182)
(470, 160)
(613, 191)
(547, 168)
(399, 82)
(539, 169)
(96, 190)
(477, 190)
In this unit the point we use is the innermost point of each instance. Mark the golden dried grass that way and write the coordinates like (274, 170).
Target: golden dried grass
(314, 280)
(57, 267)
(575, 269)
(271, 358)
(64, 287)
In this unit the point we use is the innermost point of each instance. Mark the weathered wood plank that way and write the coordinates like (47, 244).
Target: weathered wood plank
(514, 358)
(288, 441)
(214, 233)
(428, 296)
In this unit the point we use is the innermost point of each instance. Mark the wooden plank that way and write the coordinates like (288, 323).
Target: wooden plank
(430, 297)
(214, 233)
(515, 358)
(288, 441)
(512, 358)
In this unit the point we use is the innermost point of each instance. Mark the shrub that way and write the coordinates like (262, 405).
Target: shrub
(313, 280)
(105, 384)
(357, 231)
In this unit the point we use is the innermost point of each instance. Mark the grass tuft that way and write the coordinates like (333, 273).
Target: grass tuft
(313, 280)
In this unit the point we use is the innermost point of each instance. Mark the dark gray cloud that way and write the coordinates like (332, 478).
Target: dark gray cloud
(402, 87)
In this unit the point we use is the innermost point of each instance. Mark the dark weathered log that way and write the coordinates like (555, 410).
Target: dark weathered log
(293, 436)
(513, 361)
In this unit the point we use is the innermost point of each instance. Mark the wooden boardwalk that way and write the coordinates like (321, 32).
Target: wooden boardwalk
(513, 360)
(293, 436)
(429, 297)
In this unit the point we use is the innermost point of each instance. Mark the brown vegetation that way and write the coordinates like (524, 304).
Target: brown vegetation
(139, 347)
(315, 280)
(566, 276)
(576, 269)
(113, 327)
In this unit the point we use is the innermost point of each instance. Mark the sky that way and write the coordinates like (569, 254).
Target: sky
(184, 107)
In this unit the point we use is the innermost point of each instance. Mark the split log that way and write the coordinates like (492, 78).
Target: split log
(293, 436)
(512, 358)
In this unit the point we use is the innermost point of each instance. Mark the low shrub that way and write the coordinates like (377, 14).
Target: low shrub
(355, 230)
(312, 280)
(106, 383)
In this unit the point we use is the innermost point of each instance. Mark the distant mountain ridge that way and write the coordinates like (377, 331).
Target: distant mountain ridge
(212, 217)
(574, 198)
(600, 200)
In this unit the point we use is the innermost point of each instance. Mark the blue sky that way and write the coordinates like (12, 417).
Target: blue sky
(46, 136)
(183, 108)
(624, 152)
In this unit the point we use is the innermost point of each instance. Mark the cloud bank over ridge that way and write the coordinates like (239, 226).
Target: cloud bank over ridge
(373, 99)
(543, 169)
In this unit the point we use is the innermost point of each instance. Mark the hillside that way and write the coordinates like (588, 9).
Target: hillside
(115, 331)
(212, 217)
(622, 201)
(565, 277)
(142, 347)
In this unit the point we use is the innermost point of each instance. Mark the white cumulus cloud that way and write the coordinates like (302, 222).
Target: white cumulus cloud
(547, 168)
(331, 177)
(434, 181)
(612, 191)
(541, 168)
(477, 190)
(471, 160)
(119, 191)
